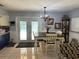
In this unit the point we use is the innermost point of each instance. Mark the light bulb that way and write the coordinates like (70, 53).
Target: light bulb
(46, 15)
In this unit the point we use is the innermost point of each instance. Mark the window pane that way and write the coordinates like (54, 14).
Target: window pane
(23, 30)
(34, 29)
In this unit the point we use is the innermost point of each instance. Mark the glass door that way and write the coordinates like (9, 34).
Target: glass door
(23, 30)
(34, 29)
(26, 29)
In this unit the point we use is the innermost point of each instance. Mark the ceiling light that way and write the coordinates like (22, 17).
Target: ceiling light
(48, 20)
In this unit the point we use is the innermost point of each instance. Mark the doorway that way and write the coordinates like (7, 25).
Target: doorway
(27, 30)
(34, 29)
(23, 30)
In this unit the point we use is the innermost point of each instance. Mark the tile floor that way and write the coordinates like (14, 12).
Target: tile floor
(27, 53)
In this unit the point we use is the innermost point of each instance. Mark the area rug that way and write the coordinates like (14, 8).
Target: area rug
(26, 44)
(10, 45)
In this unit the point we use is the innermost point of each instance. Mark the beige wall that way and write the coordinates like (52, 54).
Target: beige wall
(4, 20)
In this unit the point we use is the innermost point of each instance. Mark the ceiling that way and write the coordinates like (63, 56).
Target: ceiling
(37, 5)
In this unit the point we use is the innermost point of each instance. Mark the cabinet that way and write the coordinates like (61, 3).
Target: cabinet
(66, 27)
(4, 39)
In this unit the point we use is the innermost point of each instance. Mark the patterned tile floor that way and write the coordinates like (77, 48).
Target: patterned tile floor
(27, 53)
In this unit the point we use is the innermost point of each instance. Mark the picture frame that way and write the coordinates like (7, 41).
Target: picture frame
(57, 25)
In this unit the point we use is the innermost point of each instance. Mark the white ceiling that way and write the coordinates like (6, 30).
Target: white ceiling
(37, 5)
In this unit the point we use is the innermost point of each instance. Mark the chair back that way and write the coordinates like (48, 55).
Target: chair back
(51, 38)
(51, 34)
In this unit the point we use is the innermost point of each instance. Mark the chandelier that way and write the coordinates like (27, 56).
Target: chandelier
(48, 20)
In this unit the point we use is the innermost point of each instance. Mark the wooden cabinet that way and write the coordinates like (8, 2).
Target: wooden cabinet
(66, 27)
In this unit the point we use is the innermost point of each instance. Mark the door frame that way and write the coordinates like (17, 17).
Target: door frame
(28, 20)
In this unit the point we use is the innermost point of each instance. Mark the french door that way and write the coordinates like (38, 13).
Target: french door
(27, 30)
(34, 29)
(23, 30)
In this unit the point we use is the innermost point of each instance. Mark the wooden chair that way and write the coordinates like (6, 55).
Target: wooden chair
(50, 41)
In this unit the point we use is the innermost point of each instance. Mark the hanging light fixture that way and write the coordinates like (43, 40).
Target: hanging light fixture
(48, 20)
(45, 14)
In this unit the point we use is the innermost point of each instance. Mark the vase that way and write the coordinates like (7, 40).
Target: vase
(47, 30)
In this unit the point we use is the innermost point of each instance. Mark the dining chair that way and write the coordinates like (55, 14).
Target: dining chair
(50, 42)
